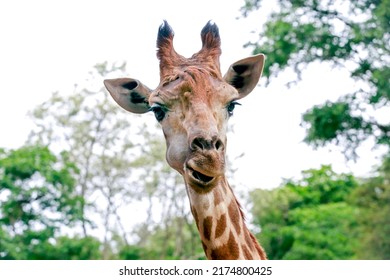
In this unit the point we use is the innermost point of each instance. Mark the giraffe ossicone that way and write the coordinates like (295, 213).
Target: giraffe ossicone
(193, 103)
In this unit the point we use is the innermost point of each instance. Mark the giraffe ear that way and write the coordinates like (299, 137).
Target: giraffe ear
(130, 94)
(245, 74)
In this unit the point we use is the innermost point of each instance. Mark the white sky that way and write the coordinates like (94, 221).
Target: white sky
(47, 46)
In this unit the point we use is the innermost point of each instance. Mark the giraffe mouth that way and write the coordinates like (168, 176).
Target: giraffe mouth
(203, 178)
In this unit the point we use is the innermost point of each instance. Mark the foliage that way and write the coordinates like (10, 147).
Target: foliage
(38, 198)
(308, 218)
(76, 248)
(86, 125)
(325, 215)
(354, 35)
(176, 239)
(373, 200)
(97, 137)
(34, 180)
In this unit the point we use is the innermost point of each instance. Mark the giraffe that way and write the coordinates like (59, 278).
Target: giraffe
(193, 103)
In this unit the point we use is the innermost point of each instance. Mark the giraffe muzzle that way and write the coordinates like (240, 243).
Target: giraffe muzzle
(204, 168)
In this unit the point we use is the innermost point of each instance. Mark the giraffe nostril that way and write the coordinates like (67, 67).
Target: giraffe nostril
(201, 143)
(197, 143)
(218, 144)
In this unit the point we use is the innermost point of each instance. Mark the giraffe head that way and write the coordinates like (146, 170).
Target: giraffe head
(193, 103)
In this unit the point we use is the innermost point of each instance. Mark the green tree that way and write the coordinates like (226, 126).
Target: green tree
(97, 136)
(37, 199)
(72, 248)
(350, 34)
(308, 218)
(373, 200)
(176, 238)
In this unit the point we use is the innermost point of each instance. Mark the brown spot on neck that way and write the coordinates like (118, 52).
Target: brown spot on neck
(221, 226)
(218, 198)
(235, 216)
(207, 227)
(228, 251)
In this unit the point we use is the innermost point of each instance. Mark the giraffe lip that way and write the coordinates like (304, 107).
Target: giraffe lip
(205, 179)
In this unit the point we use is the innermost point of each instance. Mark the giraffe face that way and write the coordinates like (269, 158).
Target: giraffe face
(193, 108)
(193, 103)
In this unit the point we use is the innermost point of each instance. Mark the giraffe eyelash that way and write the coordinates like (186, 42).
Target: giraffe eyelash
(231, 106)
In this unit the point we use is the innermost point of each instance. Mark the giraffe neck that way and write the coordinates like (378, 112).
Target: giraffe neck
(221, 224)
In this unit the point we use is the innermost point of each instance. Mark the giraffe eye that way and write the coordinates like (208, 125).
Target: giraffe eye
(159, 111)
(231, 106)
